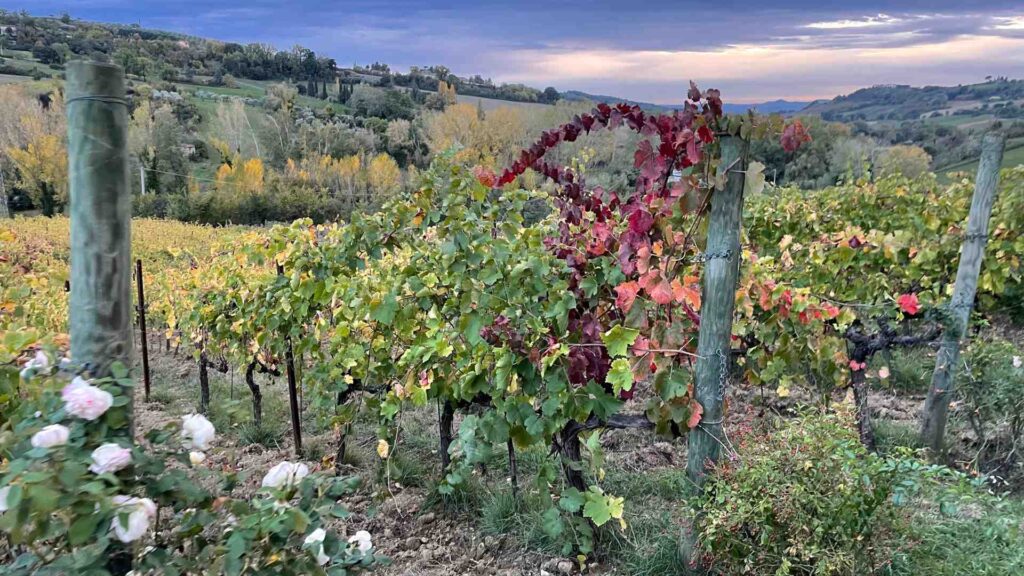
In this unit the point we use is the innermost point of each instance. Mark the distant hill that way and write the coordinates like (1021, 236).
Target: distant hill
(997, 98)
(775, 106)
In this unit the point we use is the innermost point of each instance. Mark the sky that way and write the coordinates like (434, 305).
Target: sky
(752, 50)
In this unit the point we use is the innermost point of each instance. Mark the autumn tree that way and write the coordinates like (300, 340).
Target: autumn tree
(383, 175)
(489, 141)
(33, 139)
(910, 161)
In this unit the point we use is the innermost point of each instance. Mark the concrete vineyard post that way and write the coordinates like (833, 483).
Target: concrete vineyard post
(101, 303)
(721, 273)
(100, 310)
(936, 408)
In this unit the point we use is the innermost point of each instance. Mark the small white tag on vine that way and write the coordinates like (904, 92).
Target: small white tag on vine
(753, 184)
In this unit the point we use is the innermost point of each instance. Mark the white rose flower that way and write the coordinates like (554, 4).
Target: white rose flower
(140, 511)
(197, 432)
(50, 436)
(37, 363)
(196, 458)
(1017, 362)
(285, 474)
(84, 400)
(315, 541)
(883, 372)
(110, 458)
(3, 499)
(362, 541)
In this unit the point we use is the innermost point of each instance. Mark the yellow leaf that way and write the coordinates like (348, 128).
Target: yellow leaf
(753, 183)
(383, 448)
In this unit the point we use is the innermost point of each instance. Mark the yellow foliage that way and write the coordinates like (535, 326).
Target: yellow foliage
(489, 140)
(383, 174)
(243, 177)
(42, 164)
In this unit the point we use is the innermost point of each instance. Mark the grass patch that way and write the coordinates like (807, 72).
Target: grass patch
(161, 395)
(669, 484)
(402, 469)
(464, 498)
(267, 436)
(648, 547)
(891, 434)
(910, 370)
(499, 512)
(979, 539)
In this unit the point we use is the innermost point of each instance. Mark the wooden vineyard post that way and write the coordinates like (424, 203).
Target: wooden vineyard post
(513, 468)
(940, 393)
(444, 432)
(5, 211)
(721, 273)
(100, 310)
(293, 400)
(204, 379)
(142, 326)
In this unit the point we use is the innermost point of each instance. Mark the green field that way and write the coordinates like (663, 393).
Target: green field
(953, 121)
(1013, 156)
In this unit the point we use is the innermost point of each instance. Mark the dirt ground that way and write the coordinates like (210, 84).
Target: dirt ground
(420, 539)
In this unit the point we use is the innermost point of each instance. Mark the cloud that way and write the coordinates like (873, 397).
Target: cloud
(867, 22)
(1009, 23)
(768, 71)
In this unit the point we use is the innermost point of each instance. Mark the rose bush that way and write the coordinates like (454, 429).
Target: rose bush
(76, 492)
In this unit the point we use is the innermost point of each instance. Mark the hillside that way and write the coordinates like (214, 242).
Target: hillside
(950, 105)
(40, 46)
(771, 107)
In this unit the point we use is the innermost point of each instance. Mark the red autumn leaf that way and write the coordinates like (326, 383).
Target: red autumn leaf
(485, 176)
(705, 134)
(857, 366)
(643, 259)
(696, 411)
(661, 292)
(793, 136)
(625, 294)
(640, 221)
(909, 304)
(648, 280)
(686, 293)
(649, 161)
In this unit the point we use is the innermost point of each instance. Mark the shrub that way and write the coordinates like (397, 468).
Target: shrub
(991, 387)
(805, 499)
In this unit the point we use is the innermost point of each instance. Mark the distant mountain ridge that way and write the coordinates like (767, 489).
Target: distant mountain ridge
(771, 107)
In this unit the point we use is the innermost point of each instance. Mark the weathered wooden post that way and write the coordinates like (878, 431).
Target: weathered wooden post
(936, 407)
(5, 212)
(721, 273)
(101, 270)
(142, 326)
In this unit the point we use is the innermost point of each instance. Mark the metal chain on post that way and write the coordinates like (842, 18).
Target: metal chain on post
(708, 256)
(723, 374)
